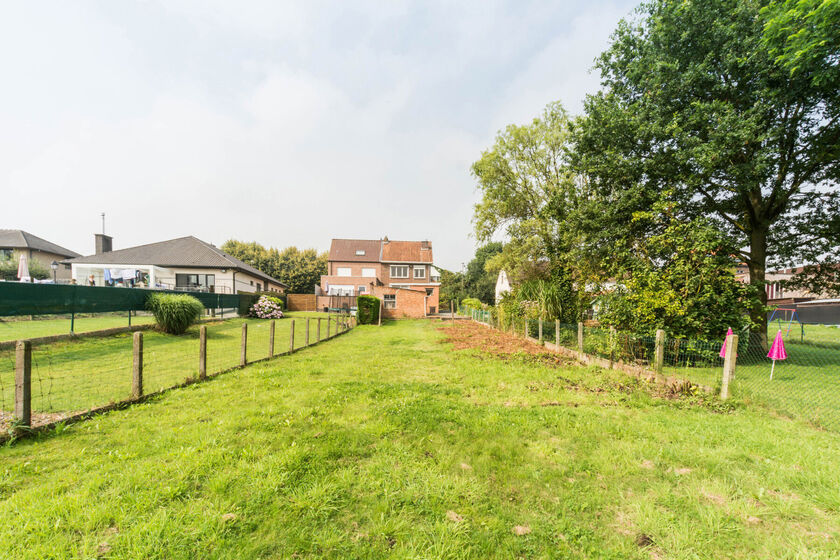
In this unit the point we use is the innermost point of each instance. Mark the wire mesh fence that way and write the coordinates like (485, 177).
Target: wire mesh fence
(805, 384)
(74, 376)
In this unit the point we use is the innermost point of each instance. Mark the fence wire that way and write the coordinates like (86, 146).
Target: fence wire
(74, 376)
(805, 385)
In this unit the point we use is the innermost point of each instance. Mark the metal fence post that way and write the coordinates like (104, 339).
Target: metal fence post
(729, 364)
(243, 355)
(23, 382)
(580, 339)
(271, 339)
(137, 370)
(540, 331)
(202, 352)
(659, 352)
(525, 328)
(306, 339)
(612, 346)
(452, 310)
(292, 337)
(557, 332)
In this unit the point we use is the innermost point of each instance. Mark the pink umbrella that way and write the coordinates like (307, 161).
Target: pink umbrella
(23, 269)
(777, 351)
(723, 348)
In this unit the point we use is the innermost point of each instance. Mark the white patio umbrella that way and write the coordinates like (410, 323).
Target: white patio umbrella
(23, 270)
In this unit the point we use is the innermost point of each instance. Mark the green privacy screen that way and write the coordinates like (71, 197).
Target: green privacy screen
(46, 299)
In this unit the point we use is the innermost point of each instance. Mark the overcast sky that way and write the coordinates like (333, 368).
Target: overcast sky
(284, 123)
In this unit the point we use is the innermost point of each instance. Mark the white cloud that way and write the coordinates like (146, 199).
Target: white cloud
(284, 123)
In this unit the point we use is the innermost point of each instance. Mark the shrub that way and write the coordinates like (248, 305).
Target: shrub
(267, 307)
(471, 302)
(368, 310)
(174, 313)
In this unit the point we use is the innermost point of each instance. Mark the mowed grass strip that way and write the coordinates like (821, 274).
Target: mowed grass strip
(80, 374)
(387, 443)
(18, 328)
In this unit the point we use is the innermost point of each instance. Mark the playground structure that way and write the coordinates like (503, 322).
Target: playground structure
(785, 315)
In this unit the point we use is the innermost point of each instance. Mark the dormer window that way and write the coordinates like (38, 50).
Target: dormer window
(360, 252)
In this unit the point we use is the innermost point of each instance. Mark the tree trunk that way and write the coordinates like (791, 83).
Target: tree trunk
(757, 266)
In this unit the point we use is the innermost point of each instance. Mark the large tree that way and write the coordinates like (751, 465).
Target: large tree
(300, 269)
(696, 109)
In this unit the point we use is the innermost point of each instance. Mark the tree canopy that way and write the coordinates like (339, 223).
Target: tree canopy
(696, 110)
(300, 269)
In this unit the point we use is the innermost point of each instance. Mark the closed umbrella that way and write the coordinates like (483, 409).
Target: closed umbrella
(777, 351)
(23, 270)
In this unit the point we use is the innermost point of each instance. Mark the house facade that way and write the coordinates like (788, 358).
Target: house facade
(400, 273)
(185, 263)
(16, 242)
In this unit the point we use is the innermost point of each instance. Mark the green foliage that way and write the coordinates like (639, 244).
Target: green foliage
(804, 36)
(479, 280)
(174, 313)
(9, 268)
(681, 280)
(471, 303)
(300, 269)
(367, 310)
(695, 110)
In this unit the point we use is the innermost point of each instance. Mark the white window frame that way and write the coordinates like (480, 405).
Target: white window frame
(389, 303)
(360, 252)
(362, 290)
(344, 271)
(398, 266)
(422, 270)
(369, 272)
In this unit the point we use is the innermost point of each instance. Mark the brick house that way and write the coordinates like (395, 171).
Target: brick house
(400, 273)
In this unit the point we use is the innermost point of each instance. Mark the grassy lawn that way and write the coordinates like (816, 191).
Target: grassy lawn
(386, 443)
(80, 374)
(18, 328)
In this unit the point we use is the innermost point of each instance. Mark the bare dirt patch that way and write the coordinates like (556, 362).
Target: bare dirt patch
(466, 335)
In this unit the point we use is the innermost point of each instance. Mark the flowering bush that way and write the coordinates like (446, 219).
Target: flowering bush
(267, 307)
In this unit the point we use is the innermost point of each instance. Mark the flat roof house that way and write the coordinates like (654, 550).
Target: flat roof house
(185, 263)
(16, 242)
(400, 273)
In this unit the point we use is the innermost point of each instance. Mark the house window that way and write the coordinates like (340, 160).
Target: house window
(344, 271)
(360, 252)
(369, 272)
(362, 289)
(6, 254)
(203, 282)
(430, 291)
(390, 301)
(259, 287)
(420, 272)
(399, 271)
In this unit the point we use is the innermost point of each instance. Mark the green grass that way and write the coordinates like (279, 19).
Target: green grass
(80, 374)
(19, 328)
(359, 448)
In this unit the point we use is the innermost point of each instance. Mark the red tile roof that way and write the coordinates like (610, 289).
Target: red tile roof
(407, 251)
(347, 249)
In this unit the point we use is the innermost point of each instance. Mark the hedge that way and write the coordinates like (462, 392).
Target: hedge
(367, 310)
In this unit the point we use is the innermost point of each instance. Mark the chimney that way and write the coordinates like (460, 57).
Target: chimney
(386, 239)
(103, 243)
(426, 244)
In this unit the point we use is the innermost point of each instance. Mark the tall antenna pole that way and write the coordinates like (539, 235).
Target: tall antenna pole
(103, 223)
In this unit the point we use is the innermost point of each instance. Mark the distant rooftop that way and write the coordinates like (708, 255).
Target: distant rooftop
(19, 239)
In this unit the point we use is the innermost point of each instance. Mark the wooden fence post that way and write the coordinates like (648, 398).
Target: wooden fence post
(659, 352)
(137, 370)
(202, 352)
(292, 337)
(271, 339)
(318, 334)
(452, 310)
(329, 323)
(557, 333)
(525, 328)
(612, 346)
(23, 382)
(306, 338)
(580, 340)
(540, 332)
(243, 355)
(729, 364)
